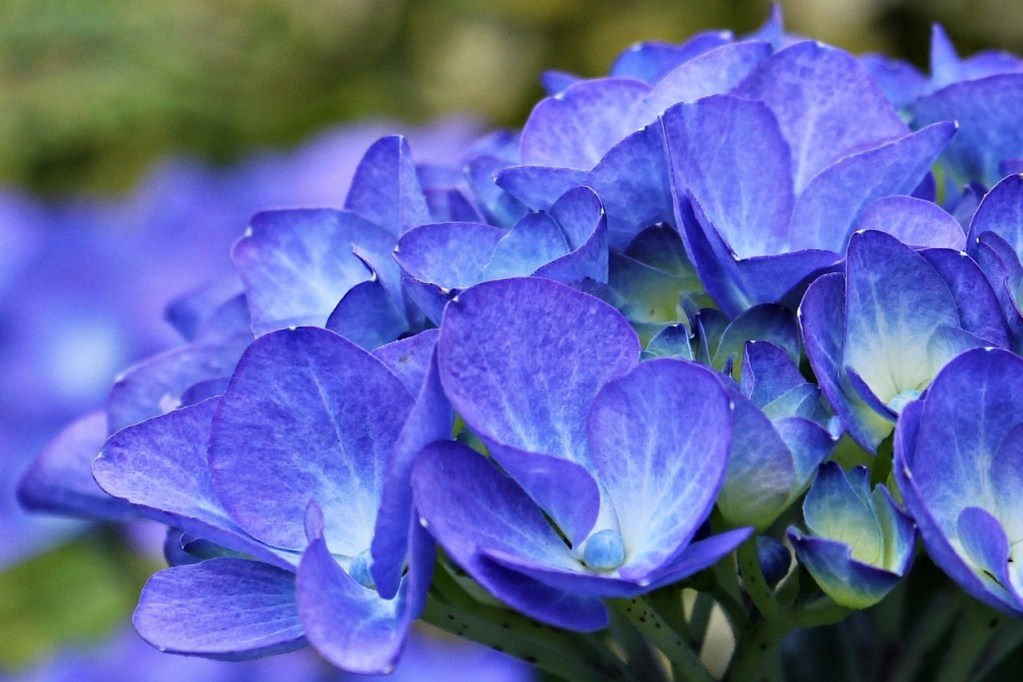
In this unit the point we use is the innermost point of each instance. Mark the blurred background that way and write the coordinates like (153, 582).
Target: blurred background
(136, 138)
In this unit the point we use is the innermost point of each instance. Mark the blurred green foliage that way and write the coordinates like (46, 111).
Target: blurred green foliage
(92, 91)
(76, 593)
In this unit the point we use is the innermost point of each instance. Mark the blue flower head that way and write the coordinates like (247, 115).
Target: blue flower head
(770, 179)
(625, 459)
(306, 474)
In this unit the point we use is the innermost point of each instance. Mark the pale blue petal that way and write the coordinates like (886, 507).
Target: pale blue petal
(226, 608)
(912, 221)
(826, 210)
(826, 104)
(312, 418)
(659, 442)
(576, 127)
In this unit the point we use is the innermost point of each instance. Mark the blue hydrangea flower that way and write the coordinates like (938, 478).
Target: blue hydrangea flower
(958, 465)
(876, 336)
(770, 181)
(619, 456)
(307, 477)
(860, 543)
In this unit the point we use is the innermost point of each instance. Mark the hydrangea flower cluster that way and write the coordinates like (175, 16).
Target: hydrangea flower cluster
(532, 394)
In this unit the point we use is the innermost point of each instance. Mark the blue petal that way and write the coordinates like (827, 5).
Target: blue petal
(410, 358)
(431, 419)
(768, 372)
(523, 359)
(848, 582)
(351, 625)
(1001, 266)
(714, 72)
(912, 221)
(810, 445)
(761, 473)
(499, 207)
(226, 608)
(467, 504)
(385, 189)
(575, 128)
(835, 509)
(534, 241)
(154, 386)
(580, 215)
(1001, 212)
(824, 214)
(538, 187)
(562, 488)
(980, 312)
(892, 313)
(555, 81)
(297, 264)
(310, 417)
(700, 555)
(450, 205)
(947, 449)
(450, 255)
(898, 530)
(367, 316)
(632, 183)
(985, 545)
(60, 481)
(902, 83)
(650, 61)
(826, 104)
(988, 133)
(766, 322)
(659, 442)
(730, 156)
(160, 467)
(822, 319)
(671, 342)
(188, 312)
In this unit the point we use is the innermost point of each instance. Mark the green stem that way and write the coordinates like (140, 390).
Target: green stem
(971, 639)
(686, 664)
(759, 640)
(753, 580)
(642, 660)
(699, 619)
(1008, 637)
(669, 605)
(751, 649)
(550, 649)
(928, 630)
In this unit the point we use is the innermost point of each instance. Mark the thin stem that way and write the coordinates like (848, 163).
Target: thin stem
(686, 664)
(753, 580)
(550, 649)
(1008, 637)
(642, 660)
(971, 639)
(752, 647)
(699, 619)
(930, 627)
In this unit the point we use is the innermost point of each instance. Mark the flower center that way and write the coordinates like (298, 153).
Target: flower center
(604, 551)
(359, 570)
